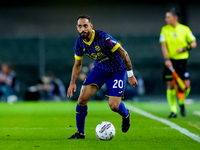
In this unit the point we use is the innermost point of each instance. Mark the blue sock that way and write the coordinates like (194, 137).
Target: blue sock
(122, 110)
(81, 113)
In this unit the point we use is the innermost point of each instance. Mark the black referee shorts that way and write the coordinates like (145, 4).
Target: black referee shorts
(181, 68)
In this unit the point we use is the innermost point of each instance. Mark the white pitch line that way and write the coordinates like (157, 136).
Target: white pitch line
(196, 113)
(165, 121)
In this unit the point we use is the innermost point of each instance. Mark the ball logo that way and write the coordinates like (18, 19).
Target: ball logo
(107, 126)
(105, 131)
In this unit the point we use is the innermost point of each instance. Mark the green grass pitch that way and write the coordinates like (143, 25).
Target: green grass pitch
(47, 125)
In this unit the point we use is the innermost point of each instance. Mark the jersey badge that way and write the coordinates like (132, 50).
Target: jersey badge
(174, 34)
(97, 48)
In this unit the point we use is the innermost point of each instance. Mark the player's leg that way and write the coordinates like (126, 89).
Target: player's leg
(117, 106)
(90, 86)
(185, 76)
(171, 98)
(182, 101)
(81, 110)
(116, 83)
(171, 91)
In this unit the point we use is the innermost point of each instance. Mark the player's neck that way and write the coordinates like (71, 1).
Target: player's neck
(174, 24)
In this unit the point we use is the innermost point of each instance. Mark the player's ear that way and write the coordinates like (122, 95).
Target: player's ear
(91, 25)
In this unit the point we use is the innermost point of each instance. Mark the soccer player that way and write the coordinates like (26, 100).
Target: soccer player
(112, 65)
(176, 40)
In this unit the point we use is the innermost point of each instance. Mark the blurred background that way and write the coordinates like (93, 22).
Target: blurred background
(37, 36)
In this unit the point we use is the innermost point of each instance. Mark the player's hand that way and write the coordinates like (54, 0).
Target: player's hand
(71, 89)
(168, 63)
(132, 81)
(180, 50)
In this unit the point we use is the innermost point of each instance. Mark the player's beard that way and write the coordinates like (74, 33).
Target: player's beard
(85, 35)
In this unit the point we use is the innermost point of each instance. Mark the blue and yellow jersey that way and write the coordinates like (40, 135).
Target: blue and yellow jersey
(100, 48)
(175, 38)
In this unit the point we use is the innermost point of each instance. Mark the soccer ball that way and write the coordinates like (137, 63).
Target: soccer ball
(105, 131)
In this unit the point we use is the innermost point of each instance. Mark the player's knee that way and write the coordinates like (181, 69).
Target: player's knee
(170, 85)
(113, 106)
(82, 101)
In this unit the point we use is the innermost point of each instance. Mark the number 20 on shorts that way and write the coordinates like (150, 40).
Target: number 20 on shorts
(118, 84)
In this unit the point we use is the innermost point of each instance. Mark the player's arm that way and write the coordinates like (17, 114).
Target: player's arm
(193, 44)
(75, 73)
(127, 62)
(168, 62)
(187, 48)
(191, 40)
(164, 49)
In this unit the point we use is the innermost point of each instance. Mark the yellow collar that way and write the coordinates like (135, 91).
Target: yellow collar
(92, 38)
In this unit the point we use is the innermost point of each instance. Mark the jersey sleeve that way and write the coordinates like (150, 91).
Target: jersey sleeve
(189, 36)
(162, 38)
(111, 43)
(78, 50)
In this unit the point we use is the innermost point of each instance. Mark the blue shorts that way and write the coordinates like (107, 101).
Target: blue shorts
(115, 81)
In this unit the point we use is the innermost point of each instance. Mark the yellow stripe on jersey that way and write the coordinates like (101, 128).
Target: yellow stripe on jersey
(92, 38)
(78, 57)
(175, 38)
(115, 47)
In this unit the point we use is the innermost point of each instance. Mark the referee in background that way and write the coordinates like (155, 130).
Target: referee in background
(176, 41)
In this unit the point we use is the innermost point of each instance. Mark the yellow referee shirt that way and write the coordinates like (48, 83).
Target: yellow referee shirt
(175, 38)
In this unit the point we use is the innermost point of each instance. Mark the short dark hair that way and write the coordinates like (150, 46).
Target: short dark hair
(175, 12)
(84, 17)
